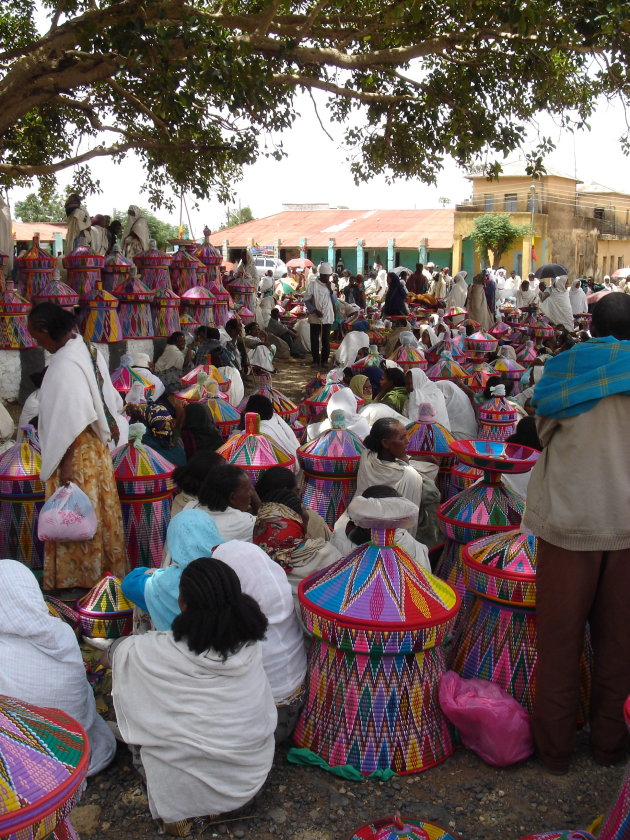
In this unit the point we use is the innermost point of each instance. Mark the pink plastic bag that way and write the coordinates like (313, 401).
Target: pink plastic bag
(67, 516)
(490, 721)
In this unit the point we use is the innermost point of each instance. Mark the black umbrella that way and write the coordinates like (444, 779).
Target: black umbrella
(551, 270)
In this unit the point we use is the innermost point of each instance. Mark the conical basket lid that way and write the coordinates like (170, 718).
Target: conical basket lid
(83, 257)
(182, 259)
(105, 598)
(212, 371)
(428, 438)
(335, 450)
(497, 410)
(403, 828)
(503, 567)
(505, 365)
(252, 449)
(13, 302)
(322, 395)
(133, 289)
(281, 405)
(446, 368)
(134, 461)
(481, 341)
(222, 411)
(36, 257)
(100, 295)
(407, 355)
(124, 377)
(117, 262)
(218, 290)
(207, 253)
(57, 292)
(44, 758)
(198, 295)
(24, 459)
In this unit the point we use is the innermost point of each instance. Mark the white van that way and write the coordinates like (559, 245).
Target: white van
(265, 264)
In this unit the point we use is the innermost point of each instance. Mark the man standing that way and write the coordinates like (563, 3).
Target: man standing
(417, 283)
(577, 504)
(322, 313)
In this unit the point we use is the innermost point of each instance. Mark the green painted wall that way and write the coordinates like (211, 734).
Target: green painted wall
(468, 257)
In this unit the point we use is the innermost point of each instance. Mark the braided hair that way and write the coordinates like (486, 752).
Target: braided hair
(216, 614)
(288, 498)
(380, 431)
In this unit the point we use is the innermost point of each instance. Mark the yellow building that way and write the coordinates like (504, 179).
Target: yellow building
(582, 226)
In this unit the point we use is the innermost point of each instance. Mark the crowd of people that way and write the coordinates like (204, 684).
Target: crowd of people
(215, 674)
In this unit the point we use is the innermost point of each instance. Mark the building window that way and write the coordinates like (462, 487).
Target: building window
(619, 262)
(510, 202)
(532, 203)
(598, 212)
(488, 202)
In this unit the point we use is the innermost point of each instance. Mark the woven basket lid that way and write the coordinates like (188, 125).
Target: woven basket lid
(83, 257)
(133, 290)
(509, 366)
(183, 260)
(106, 598)
(378, 587)
(337, 448)
(251, 449)
(500, 330)
(466, 471)
(497, 410)
(323, 394)
(12, 302)
(212, 371)
(24, 459)
(480, 341)
(117, 262)
(496, 456)
(527, 353)
(57, 292)
(134, 461)
(446, 368)
(281, 405)
(207, 253)
(371, 360)
(217, 289)
(44, 758)
(407, 355)
(36, 257)
(125, 376)
(165, 297)
(428, 439)
(400, 828)
(199, 296)
(242, 284)
(455, 312)
(221, 410)
(509, 556)
(245, 314)
(99, 297)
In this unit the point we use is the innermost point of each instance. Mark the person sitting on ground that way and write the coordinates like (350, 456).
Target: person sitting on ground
(385, 461)
(235, 347)
(271, 424)
(189, 478)
(280, 531)
(143, 364)
(393, 391)
(276, 328)
(228, 496)
(282, 478)
(259, 350)
(421, 390)
(347, 536)
(212, 753)
(41, 663)
(198, 431)
(583, 559)
(161, 433)
(173, 355)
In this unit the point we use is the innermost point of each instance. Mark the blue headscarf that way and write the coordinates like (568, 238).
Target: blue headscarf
(191, 534)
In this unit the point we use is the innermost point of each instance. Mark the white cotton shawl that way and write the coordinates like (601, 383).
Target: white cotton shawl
(459, 291)
(319, 294)
(352, 342)
(400, 475)
(416, 550)
(7, 426)
(283, 653)
(281, 433)
(303, 332)
(557, 307)
(236, 391)
(425, 391)
(172, 357)
(138, 226)
(70, 401)
(342, 400)
(461, 414)
(527, 297)
(376, 411)
(204, 727)
(40, 660)
(577, 298)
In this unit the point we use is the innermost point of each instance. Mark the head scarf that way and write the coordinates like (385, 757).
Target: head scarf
(191, 534)
(279, 531)
(425, 391)
(361, 387)
(199, 431)
(461, 414)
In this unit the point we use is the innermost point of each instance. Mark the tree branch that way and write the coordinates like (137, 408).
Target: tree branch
(330, 87)
(137, 103)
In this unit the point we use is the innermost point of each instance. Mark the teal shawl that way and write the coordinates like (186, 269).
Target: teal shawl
(576, 380)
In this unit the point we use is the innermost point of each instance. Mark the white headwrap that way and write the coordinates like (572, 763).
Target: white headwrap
(426, 391)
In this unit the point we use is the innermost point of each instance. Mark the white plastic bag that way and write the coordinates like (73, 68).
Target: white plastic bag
(68, 516)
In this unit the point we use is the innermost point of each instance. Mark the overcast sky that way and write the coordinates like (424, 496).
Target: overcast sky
(315, 170)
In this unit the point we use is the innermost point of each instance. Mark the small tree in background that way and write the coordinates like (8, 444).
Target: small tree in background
(238, 216)
(495, 232)
(36, 208)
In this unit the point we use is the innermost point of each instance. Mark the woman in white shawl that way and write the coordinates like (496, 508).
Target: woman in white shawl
(345, 402)
(135, 235)
(557, 306)
(461, 414)
(79, 418)
(422, 390)
(477, 305)
(41, 663)
(346, 353)
(459, 291)
(385, 461)
(526, 296)
(271, 424)
(577, 298)
(196, 701)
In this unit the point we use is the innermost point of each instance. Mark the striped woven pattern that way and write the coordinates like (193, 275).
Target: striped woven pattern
(145, 521)
(124, 377)
(44, 757)
(446, 368)
(56, 292)
(503, 568)
(21, 499)
(105, 612)
(183, 271)
(328, 496)
(100, 322)
(60, 609)
(408, 358)
(165, 313)
(481, 342)
(282, 405)
(254, 453)
(408, 828)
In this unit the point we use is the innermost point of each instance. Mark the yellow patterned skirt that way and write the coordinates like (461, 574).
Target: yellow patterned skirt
(83, 564)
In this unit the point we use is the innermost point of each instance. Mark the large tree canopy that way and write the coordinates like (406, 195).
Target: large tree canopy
(191, 84)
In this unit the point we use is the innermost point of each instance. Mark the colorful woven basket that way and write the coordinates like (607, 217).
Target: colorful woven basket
(446, 368)
(481, 342)
(183, 271)
(165, 312)
(35, 270)
(153, 266)
(44, 758)
(253, 451)
(104, 612)
(134, 308)
(330, 463)
(14, 309)
(432, 440)
(117, 270)
(61, 609)
(198, 302)
(200, 385)
(84, 269)
(125, 376)
(100, 322)
(21, 499)
(455, 315)
(282, 405)
(527, 353)
(318, 400)
(375, 660)
(508, 368)
(501, 331)
(145, 489)
(497, 419)
(57, 292)
(409, 358)
(373, 359)
(400, 828)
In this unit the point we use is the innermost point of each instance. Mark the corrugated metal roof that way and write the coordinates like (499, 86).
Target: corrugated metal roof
(25, 231)
(375, 227)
